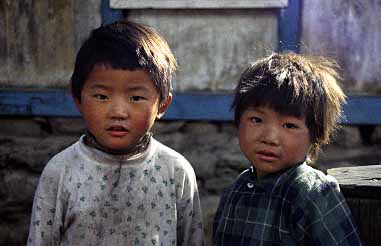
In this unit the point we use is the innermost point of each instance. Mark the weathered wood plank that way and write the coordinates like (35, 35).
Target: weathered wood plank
(369, 176)
(359, 182)
(361, 187)
(367, 215)
(192, 4)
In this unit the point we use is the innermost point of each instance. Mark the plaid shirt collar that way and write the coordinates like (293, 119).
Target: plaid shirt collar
(272, 179)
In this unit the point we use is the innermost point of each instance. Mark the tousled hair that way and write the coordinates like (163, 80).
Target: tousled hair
(125, 45)
(296, 85)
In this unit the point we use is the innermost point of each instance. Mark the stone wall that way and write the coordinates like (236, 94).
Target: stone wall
(26, 144)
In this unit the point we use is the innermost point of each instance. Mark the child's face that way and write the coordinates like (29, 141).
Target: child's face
(119, 106)
(271, 141)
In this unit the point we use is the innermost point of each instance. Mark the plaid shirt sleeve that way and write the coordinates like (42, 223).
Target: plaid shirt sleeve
(326, 218)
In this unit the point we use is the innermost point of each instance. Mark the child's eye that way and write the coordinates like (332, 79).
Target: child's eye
(100, 97)
(136, 98)
(255, 119)
(290, 126)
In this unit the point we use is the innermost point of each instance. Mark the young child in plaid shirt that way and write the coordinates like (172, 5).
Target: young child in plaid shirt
(286, 106)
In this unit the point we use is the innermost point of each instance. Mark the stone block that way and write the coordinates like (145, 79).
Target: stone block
(17, 188)
(376, 136)
(216, 185)
(229, 128)
(24, 127)
(209, 206)
(167, 127)
(347, 137)
(67, 126)
(14, 228)
(233, 160)
(334, 156)
(176, 140)
(203, 162)
(200, 128)
(226, 172)
(31, 153)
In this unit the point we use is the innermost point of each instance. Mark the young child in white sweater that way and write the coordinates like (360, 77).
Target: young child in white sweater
(117, 185)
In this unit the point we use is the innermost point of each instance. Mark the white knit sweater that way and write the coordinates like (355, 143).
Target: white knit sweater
(88, 197)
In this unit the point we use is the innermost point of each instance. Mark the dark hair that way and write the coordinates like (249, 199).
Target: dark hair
(296, 85)
(125, 45)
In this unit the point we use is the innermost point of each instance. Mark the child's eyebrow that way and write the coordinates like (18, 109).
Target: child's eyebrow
(99, 86)
(130, 88)
(137, 88)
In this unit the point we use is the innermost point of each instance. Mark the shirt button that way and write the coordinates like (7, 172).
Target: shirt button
(250, 185)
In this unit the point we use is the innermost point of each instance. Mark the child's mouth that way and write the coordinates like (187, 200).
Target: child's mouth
(267, 156)
(117, 131)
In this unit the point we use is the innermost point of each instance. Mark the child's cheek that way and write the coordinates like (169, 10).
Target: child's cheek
(144, 123)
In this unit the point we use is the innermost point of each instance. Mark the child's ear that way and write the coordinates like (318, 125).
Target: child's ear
(164, 106)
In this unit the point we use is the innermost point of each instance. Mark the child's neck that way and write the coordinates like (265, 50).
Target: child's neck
(90, 141)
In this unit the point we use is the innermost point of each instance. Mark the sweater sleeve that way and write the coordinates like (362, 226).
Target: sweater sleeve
(326, 218)
(190, 230)
(44, 222)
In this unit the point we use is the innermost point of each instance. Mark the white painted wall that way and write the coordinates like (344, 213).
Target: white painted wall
(213, 46)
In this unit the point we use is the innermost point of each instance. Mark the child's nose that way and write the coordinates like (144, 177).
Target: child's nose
(119, 109)
(270, 135)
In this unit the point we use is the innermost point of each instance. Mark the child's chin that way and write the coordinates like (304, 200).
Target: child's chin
(116, 146)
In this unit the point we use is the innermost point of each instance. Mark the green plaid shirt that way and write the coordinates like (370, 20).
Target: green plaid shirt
(300, 206)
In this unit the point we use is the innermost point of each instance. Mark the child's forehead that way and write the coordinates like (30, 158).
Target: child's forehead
(107, 68)
(284, 112)
(109, 75)
(111, 67)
